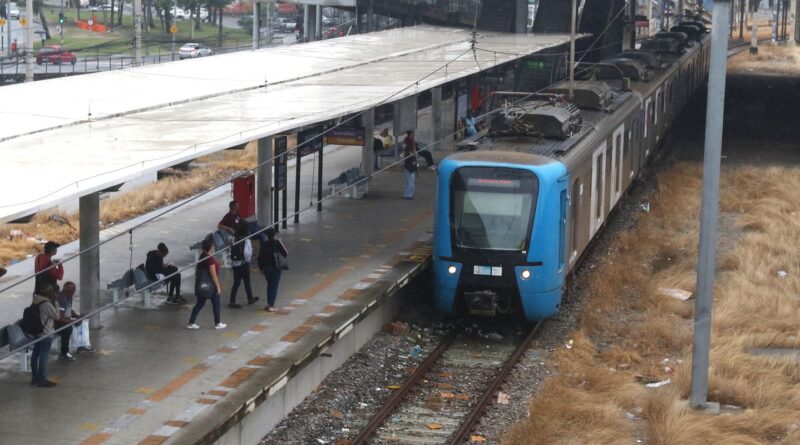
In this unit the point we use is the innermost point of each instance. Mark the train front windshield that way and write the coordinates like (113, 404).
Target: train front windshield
(492, 208)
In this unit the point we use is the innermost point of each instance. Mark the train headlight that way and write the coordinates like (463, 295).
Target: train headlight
(452, 270)
(525, 274)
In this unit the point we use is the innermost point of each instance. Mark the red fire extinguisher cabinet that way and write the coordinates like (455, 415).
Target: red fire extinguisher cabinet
(244, 193)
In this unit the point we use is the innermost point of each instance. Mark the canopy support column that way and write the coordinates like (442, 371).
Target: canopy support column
(264, 182)
(89, 282)
(437, 132)
(367, 152)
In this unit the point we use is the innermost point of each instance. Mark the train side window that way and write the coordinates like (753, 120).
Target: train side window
(618, 161)
(646, 115)
(577, 200)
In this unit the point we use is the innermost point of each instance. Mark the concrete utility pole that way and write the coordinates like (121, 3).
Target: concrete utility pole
(775, 21)
(255, 25)
(137, 32)
(572, 49)
(89, 279)
(28, 41)
(754, 27)
(708, 212)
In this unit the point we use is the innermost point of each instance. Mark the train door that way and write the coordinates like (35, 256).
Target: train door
(630, 149)
(617, 164)
(576, 201)
(656, 127)
(598, 188)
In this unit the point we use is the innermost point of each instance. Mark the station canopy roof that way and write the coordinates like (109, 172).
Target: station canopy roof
(65, 138)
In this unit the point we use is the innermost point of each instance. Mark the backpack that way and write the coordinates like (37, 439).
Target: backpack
(237, 252)
(411, 163)
(31, 322)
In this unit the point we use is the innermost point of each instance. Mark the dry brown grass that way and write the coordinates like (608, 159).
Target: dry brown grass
(771, 59)
(630, 333)
(123, 206)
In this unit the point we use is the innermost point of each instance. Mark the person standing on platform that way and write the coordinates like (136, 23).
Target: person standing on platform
(230, 221)
(40, 316)
(269, 264)
(44, 260)
(157, 270)
(13, 47)
(206, 286)
(241, 255)
(409, 164)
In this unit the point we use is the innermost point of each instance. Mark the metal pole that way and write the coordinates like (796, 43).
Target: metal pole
(172, 23)
(8, 28)
(29, 41)
(319, 174)
(741, 19)
(437, 131)
(137, 32)
(318, 23)
(572, 50)
(61, 25)
(297, 162)
(255, 25)
(710, 203)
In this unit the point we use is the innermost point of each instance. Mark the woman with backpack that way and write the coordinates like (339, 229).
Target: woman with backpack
(206, 286)
(241, 254)
(272, 256)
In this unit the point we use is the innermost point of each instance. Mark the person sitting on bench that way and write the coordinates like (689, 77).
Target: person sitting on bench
(157, 270)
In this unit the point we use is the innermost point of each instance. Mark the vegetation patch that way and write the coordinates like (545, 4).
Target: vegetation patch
(633, 334)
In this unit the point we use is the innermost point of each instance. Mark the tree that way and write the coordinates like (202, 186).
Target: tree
(219, 5)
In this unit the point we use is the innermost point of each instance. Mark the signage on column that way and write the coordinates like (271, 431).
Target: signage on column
(309, 141)
(280, 163)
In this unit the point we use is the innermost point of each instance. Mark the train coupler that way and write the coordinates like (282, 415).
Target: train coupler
(482, 303)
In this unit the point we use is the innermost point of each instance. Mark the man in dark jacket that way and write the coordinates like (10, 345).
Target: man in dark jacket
(157, 270)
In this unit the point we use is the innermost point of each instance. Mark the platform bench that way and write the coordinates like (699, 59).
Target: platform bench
(138, 278)
(348, 179)
(219, 240)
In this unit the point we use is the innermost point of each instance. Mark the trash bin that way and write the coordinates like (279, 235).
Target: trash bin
(244, 193)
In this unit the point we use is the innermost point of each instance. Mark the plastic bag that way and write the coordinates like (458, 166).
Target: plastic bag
(80, 336)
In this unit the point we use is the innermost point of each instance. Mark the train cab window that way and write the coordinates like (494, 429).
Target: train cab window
(493, 208)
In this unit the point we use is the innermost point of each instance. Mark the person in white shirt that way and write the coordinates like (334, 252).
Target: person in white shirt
(241, 255)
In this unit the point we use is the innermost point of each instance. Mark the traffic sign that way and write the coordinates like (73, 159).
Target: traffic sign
(2, 22)
(23, 21)
(90, 22)
(173, 29)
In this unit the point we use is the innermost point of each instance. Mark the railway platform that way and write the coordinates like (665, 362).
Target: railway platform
(152, 381)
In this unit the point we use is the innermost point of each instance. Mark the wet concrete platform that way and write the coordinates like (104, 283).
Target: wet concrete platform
(153, 381)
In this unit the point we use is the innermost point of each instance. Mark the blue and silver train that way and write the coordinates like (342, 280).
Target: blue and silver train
(514, 216)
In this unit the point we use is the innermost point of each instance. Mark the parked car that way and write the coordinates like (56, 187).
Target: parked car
(55, 54)
(13, 11)
(290, 26)
(327, 21)
(193, 50)
(179, 14)
(204, 14)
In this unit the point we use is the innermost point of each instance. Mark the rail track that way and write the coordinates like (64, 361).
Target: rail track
(447, 394)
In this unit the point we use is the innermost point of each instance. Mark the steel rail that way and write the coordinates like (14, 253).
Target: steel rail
(397, 398)
(462, 434)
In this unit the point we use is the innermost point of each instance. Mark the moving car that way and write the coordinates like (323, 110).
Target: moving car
(55, 54)
(193, 50)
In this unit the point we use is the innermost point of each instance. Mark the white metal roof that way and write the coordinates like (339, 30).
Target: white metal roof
(145, 119)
